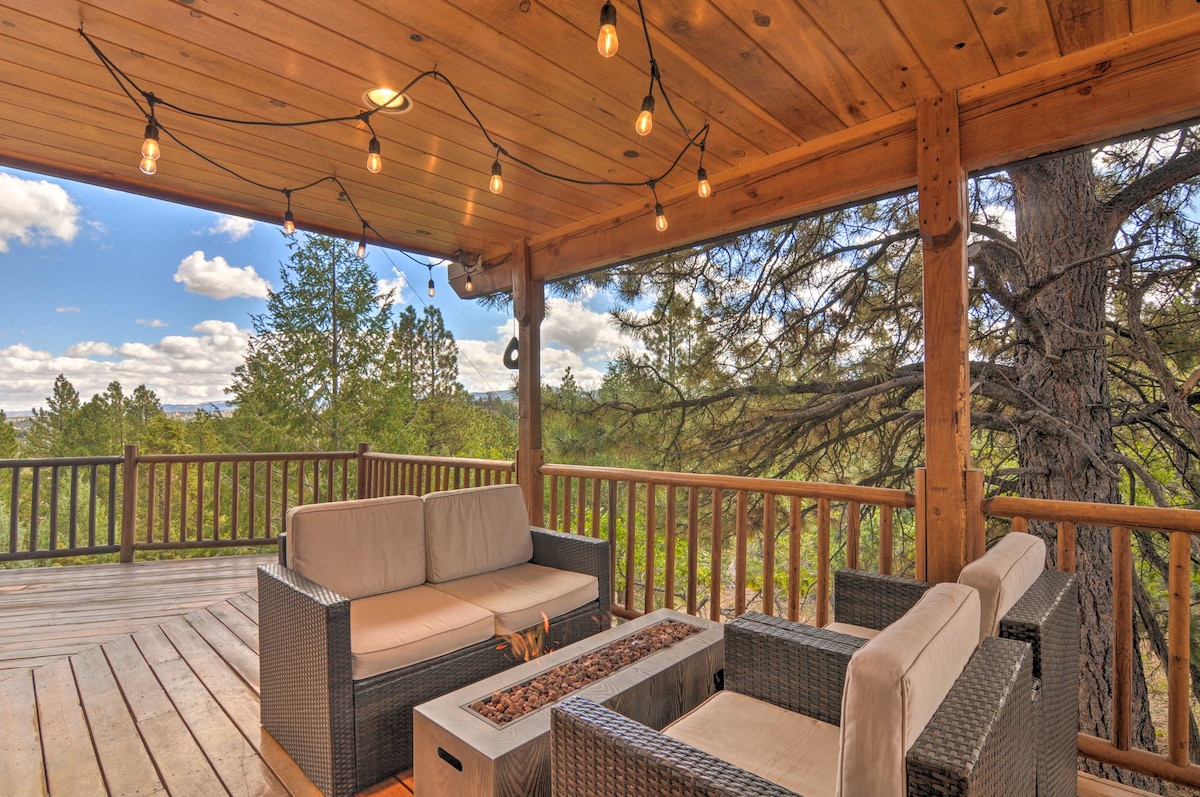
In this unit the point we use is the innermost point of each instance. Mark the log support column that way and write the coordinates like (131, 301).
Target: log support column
(944, 223)
(529, 307)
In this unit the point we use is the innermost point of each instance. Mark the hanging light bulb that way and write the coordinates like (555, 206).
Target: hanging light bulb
(496, 184)
(289, 222)
(606, 42)
(374, 162)
(470, 286)
(702, 186)
(660, 217)
(148, 166)
(645, 120)
(432, 290)
(150, 148)
(362, 249)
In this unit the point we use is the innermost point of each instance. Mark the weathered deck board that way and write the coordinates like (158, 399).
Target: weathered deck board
(51, 612)
(20, 740)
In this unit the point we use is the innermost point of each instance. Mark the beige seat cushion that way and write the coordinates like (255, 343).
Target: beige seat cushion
(517, 596)
(860, 631)
(359, 548)
(792, 750)
(475, 530)
(896, 681)
(1002, 576)
(402, 628)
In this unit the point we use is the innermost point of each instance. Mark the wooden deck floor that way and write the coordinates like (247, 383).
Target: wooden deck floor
(50, 612)
(167, 704)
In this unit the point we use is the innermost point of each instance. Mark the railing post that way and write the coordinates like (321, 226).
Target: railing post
(361, 463)
(529, 307)
(129, 474)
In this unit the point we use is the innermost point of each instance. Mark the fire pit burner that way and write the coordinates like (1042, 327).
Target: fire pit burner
(504, 706)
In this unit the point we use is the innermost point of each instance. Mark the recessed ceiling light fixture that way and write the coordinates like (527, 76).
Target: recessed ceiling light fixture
(385, 100)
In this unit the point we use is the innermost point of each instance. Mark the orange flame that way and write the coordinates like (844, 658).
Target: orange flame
(530, 643)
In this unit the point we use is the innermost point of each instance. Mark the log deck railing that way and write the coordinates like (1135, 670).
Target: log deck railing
(714, 545)
(1120, 521)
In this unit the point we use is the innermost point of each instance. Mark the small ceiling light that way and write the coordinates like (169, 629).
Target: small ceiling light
(470, 286)
(496, 184)
(702, 186)
(289, 223)
(660, 217)
(606, 41)
(384, 100)
(645, 120)
(374, 162)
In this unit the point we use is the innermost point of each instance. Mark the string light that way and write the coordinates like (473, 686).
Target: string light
(470, 286)
(645, 120)
(374, 161)
(702, 185)
(432, 290)
(362, 243)
(289, 221)
(606, 41)
(496, 184)
(660, 217)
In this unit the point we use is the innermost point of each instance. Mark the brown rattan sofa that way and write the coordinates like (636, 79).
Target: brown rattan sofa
(1044, 613)
(977, 741)
(332, 693)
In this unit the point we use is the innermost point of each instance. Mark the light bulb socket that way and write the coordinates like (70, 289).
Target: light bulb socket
(608, 14)
(648, 104)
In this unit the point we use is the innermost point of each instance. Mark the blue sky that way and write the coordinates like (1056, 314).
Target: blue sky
(101, 285)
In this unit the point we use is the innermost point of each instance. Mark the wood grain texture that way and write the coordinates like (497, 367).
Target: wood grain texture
(20, 740)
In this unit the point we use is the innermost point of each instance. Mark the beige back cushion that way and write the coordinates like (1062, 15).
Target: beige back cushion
(896, 681)
(476, 530)
(1002, 576)
(359, 548)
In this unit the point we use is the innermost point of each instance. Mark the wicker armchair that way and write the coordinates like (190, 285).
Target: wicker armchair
(349, 734)
(1046, 617)
(978, 741)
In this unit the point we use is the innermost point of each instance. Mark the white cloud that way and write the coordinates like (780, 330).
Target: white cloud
(235, 227)
(153, 323)
(571, 324)
(219, 280)
(34, 211)
(397, 283)
(181, 369)
(66, 309)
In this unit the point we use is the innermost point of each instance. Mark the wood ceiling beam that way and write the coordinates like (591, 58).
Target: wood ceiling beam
(1137, 83)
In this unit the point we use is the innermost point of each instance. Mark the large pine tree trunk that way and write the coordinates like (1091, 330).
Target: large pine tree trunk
(1066, 436)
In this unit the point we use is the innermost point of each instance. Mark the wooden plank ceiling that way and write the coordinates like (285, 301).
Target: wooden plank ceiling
(767, 75)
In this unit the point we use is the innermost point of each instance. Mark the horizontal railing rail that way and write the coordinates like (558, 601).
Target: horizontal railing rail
(722, 545)
(1179, 525)
(405, 474)
(51, 508)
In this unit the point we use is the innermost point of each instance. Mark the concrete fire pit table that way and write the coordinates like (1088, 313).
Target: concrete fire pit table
(458, 752)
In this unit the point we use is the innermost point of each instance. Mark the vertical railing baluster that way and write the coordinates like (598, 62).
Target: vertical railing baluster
(554, 504)
(768, 588)
(183, 501)
(235, 492)
(651, 546)
(566, 505)
(216, 500)
(168, 507)
(887, 522)
(795, 538)
(73, 509)
(1179, 644)
(201, 470)
(612, 534)
(714, 587)
(1066, 546)
(853, 533)
(151, 500)
(669, 545)
(251, 531)
(54, 507)
(742, 532)
(35, 510)
(596, 508)
(14, 542)
(112, 505)
(1122, 687)
(581, 508)
(693, 549)
(630, 541)
(823, 561)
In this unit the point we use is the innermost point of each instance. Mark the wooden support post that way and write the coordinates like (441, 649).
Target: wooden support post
(529, 307)
(944, 221)
(129, 493)
(361, 484)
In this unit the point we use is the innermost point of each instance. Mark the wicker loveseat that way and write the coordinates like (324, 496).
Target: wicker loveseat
(919, 710)
(1021, 601)
(380, 604)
